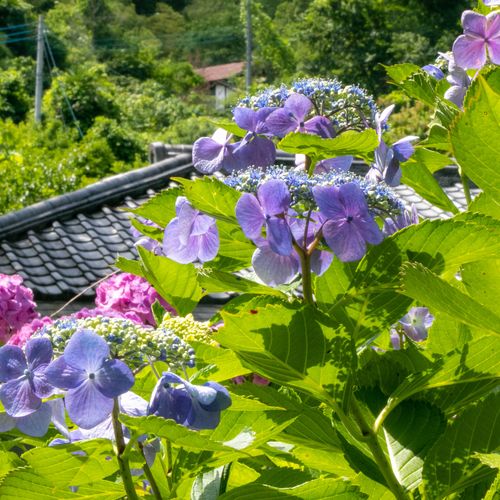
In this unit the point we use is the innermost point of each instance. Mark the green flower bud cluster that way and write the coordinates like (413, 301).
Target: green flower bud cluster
(134, 344)
(188, 329)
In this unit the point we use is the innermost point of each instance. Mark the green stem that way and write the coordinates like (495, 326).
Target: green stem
(149, 475)
(305, 264)
(377, 452)
(123, 465)
(465, 184)
(168, 471)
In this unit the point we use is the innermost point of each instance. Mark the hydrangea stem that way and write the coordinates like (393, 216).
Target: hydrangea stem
(377, 452)
(465, 184)
(305, 265)
(123, 465)
(149, 475)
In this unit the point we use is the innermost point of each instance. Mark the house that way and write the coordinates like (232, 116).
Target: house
(63, 246)
(217, 80)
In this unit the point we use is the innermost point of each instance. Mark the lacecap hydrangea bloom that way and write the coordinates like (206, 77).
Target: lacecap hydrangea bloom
(17, 306)
(126, 340)
(126, 293)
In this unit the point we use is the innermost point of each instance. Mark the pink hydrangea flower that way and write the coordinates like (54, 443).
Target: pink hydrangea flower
(17, 306)
(129, 295)
(26, 331)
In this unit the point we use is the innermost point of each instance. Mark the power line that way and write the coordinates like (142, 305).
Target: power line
(16, 40)
(51, 56)
(15, 26)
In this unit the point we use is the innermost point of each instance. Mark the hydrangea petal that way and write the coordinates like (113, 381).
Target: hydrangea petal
(274, 197)
(7, 423)
(38, 351)
(281, 121)
(86, 351)
(326, 198)
(353, 199)
(403, 149)
(201, 224)
(249, 215)
(41, 386)
(61, 375)
(369, 229)
(279, 236)
(469, 52)
(319, 125)
(198, 418)
(18, 398)
(114, 378)
(320, 261)
(87, 406)
(259, 152)
(245, 118)
(474, 23)
(12, 362)
(299, 105)
(133, 405)
(345, 240)
(494, 49)
(208, 155)
(172, 246)
(208, 246)
(37, 423)
(274, 269)
(222, 399)
(341, 163)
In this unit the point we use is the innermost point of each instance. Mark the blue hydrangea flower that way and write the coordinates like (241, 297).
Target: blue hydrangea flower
(268, 208)
(24, 377)
(90, 378)
(191, 235)
(348, 224)
(416, 323)
(433, 71)
(404, 219)
(35, 424)
(194, 406)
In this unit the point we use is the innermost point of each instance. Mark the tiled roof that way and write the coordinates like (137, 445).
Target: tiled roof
(63, 245)
(221, 71)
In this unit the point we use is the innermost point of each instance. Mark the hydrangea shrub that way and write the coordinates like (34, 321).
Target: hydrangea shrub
(359, 357)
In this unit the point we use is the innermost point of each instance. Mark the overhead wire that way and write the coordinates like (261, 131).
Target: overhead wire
(62, 87)
(15, 26)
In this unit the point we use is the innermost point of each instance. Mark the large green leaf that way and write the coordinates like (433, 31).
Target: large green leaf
(347, 143)
(438, 138)
(65, 469)
(417, 175)
(482, 281)
(212, 197)
(160, 208)
(410, 431)
(318, 489)
(367, 299)
(427, 288)
(26, 484)
(398, 73)
(293, 345)
(486, 204)
(475, 137)
(451, 465)
(176, 283)
(475, 361)
(213, 280)
(420, 86)
(9, 461)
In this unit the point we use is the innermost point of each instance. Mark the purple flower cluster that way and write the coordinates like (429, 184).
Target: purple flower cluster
(414, 325)
(91, 381)
(128, 296)
(16, 306)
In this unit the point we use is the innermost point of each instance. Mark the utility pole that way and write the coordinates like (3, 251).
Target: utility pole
(249, 46)
(39, 72)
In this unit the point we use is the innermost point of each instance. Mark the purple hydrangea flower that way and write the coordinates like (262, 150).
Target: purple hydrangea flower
(142, 240)
(433, 71)
(35, 424)
(387, 159)
(24, 376)
(291, 118)
(211, 154)
(459, 82)
(349, 225)
(491, 3)
(190, 236)
(254, 150)
(269, 208)
(90, 378)
(194, 406)
(273, 268)
(16, 305)
(339, 164)
(481, 39)
(128, 295)
(404, 219)
(416, 323)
